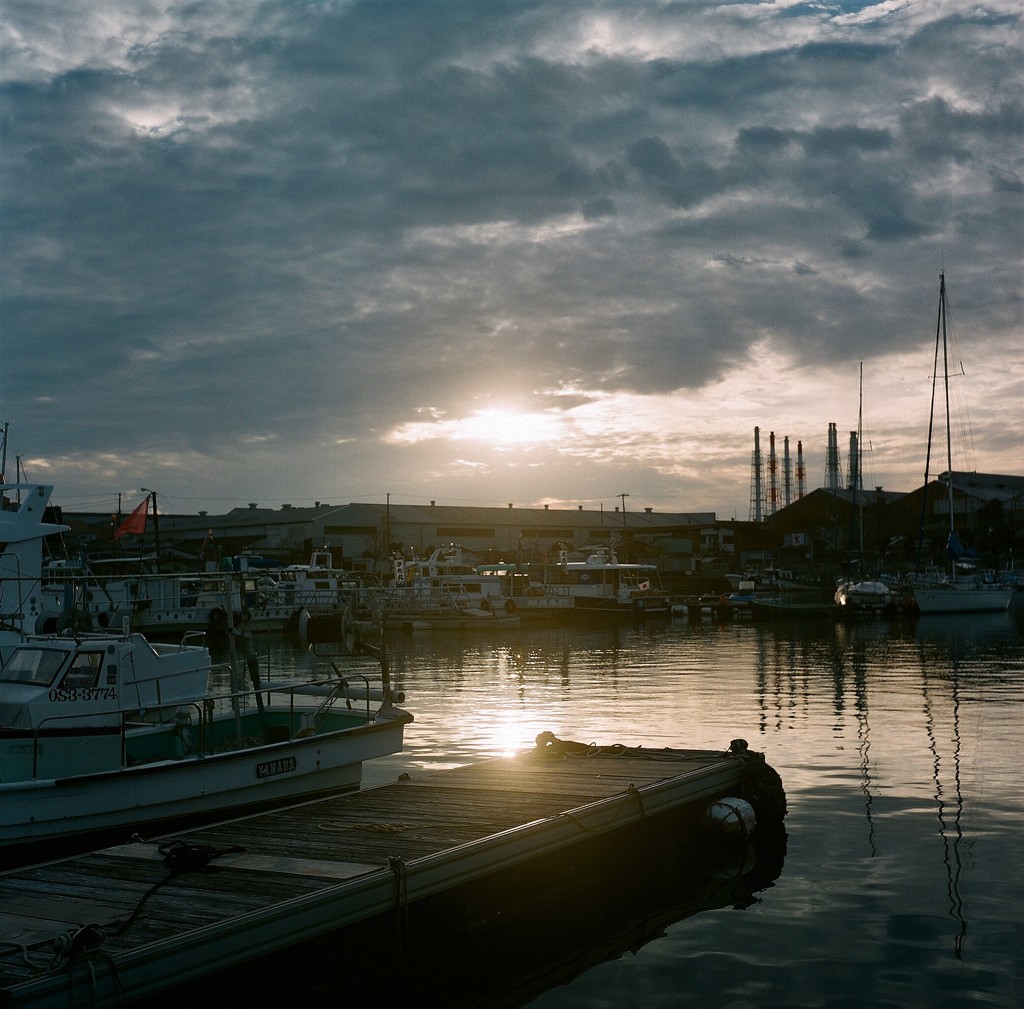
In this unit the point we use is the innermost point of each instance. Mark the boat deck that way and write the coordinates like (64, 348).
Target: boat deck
(142, 920)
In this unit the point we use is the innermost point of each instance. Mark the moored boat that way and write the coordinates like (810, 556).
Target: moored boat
(24, 526)
(785, 609)
(868, 596)
(103, 734)
(962, 589)
(265, 598)
(604, 586)
(961, 595)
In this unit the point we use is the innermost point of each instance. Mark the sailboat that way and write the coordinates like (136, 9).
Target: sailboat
(955, 591)
(859, 595)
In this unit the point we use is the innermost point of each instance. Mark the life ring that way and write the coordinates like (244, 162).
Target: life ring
(510, 606)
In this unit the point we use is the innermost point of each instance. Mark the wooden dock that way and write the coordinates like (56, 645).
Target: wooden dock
(377, 888)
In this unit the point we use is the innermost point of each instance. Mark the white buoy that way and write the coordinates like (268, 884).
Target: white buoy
(731, 818)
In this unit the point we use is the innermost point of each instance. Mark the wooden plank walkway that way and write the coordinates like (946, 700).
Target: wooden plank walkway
(131, 923)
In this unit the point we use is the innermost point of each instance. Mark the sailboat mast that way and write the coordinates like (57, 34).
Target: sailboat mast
(940, 329)
(855, 482)
(945, 376)
(860, 457)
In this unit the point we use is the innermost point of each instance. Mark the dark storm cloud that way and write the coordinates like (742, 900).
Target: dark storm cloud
(306, 221)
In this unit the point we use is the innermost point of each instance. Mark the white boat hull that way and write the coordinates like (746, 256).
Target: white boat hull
(948, 599)
(191, 789)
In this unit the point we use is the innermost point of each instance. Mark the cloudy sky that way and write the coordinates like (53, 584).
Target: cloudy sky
(485, 251)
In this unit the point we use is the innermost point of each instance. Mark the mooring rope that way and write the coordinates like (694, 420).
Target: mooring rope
(632, 795)
(549, 746)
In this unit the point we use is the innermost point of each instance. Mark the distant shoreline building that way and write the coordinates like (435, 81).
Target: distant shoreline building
(821, 528)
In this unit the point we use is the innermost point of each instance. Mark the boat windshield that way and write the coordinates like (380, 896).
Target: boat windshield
(32, 665)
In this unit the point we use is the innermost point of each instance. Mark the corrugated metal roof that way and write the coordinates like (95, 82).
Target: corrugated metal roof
(526, 518)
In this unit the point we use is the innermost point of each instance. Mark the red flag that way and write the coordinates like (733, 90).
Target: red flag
(135, 523)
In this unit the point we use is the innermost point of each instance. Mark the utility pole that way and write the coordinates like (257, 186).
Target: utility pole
(623, 496)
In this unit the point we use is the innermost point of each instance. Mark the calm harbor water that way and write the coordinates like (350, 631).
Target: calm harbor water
(899, 745)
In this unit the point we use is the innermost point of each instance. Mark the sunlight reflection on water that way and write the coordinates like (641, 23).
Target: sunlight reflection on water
(899, 750)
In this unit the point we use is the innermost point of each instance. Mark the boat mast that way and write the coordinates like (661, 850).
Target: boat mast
(859, 485)
(940, 329)
(945, 378)
(855, 482)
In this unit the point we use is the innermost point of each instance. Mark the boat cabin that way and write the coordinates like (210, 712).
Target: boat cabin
(57, 683)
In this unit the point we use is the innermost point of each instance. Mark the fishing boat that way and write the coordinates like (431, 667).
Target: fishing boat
(265, 598)
(443, 592)
(106, 734)
(535, 601)
(111, 732)
(444, 580)
(960, 589)
(602, 586)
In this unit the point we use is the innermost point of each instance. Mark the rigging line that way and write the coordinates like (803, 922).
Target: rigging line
(960, 412)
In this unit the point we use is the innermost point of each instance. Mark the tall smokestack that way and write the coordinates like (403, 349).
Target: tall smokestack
(855, 481)
(833, 469)
(756, 477)
(787, 495)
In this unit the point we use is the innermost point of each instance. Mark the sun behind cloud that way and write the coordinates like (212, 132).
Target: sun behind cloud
(496, 426)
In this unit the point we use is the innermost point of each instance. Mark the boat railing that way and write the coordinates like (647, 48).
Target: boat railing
(290, 596)
(330, 691)
(344, 691)
(411, 599)
(126, 723)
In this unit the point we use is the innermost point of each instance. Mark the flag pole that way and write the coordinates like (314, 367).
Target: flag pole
(156, 527)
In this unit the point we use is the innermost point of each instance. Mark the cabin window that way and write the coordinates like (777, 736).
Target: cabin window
(32, 665)
(84, 671)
